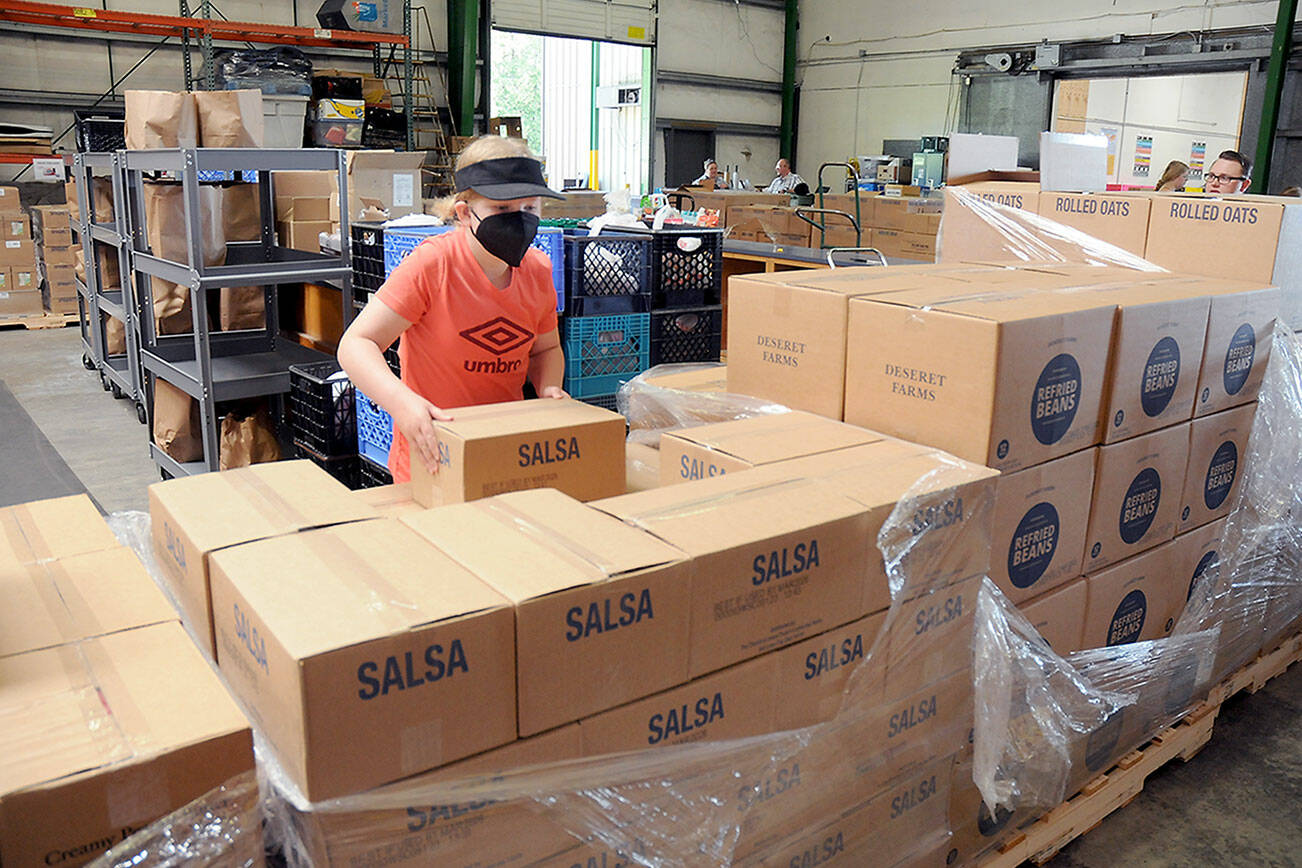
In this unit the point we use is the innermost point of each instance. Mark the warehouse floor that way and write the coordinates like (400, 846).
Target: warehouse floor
(60, 433)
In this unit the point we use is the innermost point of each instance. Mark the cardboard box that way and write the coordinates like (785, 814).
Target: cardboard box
(951, 502)
(61, 274)
(930, 639)
(1239, 332)
(57, 237)
(1003, 379)
(48, 217)
(50, 529)
(641, 467)
(1218, 446)
(18, 253)
(1059, 616)
(76, 598)
(1134, 601)
(303, 209)
(706, 378)
(15, 225)
(920, 215)
(577, 205)
(196, 516)
(1041, 518)
(1135, 504)
(973, 829)
(591, 594)
(14, 303)
(105, 737)
(303, 234)
(814, 677)
(787, 330)
(1118, 220)
(61, 297)
(841, 234)
(1195, 552)
(402, 650)
(388, 178)
(495, 448)
(9, 200)
(774, 563)
(467, 834)
(966, 231)
(1243, 233)
(390, 501)
(743, 444)
(59, 257)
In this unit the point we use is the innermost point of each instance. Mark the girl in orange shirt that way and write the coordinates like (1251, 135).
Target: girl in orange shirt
(476, 307)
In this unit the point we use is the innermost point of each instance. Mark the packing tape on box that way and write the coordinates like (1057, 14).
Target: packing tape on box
(375, 593)
(695, 507)
(62, 601)
(566, 547)
(265, 499)
(23, 533)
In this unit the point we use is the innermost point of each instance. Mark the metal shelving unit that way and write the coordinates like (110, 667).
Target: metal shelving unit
(222, 366)
(120, 374)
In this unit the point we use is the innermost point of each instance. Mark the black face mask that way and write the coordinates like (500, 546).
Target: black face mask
(507, 235)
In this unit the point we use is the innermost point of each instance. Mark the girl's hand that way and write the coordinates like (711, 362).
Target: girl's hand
(415, 418)
(553, 392)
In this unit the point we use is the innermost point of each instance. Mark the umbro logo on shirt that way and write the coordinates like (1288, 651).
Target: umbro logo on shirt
(499, 336)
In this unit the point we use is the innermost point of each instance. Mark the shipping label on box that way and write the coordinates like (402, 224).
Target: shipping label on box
(1118, 220)
(1041, 520)
(495, 448)
(1195, 552)
(1136, 600)
(1059, 616)
(403, 650)
(1239, 331)
(195, 516)
(57, 528)
(14, 225)
(1138, 485)
(591, 594)
(1003, 379)
(1218, 448)
(6, 279)
(743, 444)
(1243, 232)
(104, 737)
(775, 561)
(18, 253)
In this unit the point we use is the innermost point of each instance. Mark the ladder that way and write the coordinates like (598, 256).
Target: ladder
(428, 119)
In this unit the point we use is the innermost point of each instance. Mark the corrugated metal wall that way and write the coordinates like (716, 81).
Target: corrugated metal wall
(622, 161)
(567, 108)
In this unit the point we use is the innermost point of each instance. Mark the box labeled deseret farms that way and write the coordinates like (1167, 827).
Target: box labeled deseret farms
(545, 443)
(363, 653)
(742, 444)
(591, 595)
(1218, 448)
(1006, 379)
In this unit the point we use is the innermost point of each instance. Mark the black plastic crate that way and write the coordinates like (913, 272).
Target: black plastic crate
(686, 265)
(322, 414)
(368, 255)
(345, 468)
(606, 402)
(100, 130)
(372, 475)
(607, 274)
(391, 356)
(688, 334)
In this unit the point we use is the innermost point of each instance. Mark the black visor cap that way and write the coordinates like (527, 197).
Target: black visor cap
(505, 178)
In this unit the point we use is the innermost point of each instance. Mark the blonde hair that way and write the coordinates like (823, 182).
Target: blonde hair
(1174, 170)
(481, 149)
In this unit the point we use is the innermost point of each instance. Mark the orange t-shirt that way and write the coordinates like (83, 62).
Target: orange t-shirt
(469, 342)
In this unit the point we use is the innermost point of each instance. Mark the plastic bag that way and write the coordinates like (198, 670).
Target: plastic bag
(668, 397)
(280, 70)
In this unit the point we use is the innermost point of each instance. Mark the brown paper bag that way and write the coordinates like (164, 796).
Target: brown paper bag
(79, 264)
(176, 423)
(115, 337)
(161, 119)
(230, 118)
(248, 440)
(242, 307)
(165, 223)
(171, 307)
(102, 200)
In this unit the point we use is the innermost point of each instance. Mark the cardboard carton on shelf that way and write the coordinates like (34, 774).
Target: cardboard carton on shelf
(59, 257)
(107, 736)
(1138, 484)
(49, 217)
(390, 178)
(1218, 448)
(495, 448)
(193, 517)
(403, 662)
(590, 594)
(56, 237)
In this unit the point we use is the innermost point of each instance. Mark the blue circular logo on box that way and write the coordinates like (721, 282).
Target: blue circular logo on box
(1128, 619)
(1139, 507)
(1220, 474)
(1239, 357)
(1033, 545)
(1161, 373)
(1056, 399)
(1206, 563)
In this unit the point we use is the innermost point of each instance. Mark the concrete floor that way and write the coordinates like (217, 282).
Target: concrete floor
(1238, 803)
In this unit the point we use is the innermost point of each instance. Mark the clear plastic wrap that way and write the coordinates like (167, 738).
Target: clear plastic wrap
(283, 69)
(977, 228)
(667, 397)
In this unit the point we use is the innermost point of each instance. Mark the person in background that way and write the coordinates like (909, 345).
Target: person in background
(712, 174)
(476, 307)
(1174, 177)
(1291, 191)
(786, 180)
(1230, 173)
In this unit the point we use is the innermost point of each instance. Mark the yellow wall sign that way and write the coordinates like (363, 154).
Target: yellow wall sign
(84, 13)
(637, 33)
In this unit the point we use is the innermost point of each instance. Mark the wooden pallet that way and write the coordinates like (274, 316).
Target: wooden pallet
(36, 321)
(1116, 788)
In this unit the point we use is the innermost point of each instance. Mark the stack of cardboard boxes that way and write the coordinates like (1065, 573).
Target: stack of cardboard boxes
(902, 227)
(52, 228)
(112, 719)
(20, 288)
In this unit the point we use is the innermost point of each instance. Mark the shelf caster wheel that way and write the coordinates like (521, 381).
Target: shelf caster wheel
(116, 390)
(87, 363)
(104, 381)
(140, 413)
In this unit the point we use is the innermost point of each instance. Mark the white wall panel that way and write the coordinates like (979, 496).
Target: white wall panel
(714, 38)
(621, 20)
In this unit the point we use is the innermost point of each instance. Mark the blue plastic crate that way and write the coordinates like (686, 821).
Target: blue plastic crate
(551, 241)
(374, 430)
(398, 242)
(601, 352)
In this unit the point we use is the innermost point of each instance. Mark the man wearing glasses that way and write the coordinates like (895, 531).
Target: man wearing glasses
(1228, 174)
